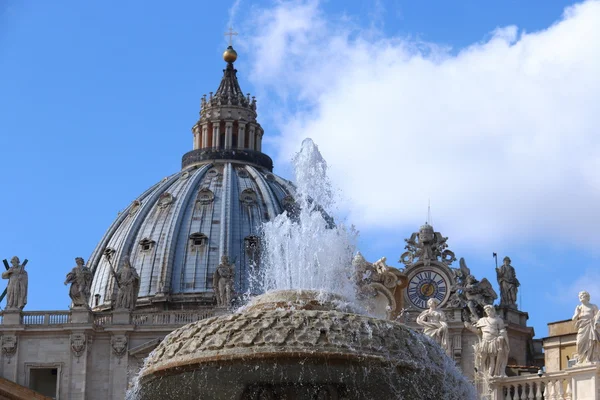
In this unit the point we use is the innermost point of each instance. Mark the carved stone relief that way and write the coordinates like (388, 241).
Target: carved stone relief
(9, 346)
(426, 246)
(119, 345)
(78, 343)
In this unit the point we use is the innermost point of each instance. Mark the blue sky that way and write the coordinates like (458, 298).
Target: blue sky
(98, 98)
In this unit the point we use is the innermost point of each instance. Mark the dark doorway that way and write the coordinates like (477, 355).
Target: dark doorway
(44, 381)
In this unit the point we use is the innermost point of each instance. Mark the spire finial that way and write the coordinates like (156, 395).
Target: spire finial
(231, 34)
(429, 222)
(230, 55)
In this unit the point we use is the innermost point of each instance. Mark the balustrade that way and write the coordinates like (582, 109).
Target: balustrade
(45, 317)
(571, 384)
(105, 318)
(170, 317)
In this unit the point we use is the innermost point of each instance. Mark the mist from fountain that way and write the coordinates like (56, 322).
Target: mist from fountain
(303, 249)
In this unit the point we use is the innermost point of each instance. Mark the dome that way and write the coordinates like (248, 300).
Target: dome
(175, 232)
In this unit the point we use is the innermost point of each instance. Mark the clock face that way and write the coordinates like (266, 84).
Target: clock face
(425, 285)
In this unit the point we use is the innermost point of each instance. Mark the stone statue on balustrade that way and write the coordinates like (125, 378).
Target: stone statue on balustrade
(80, 279)
(128, 282)
(378, 286)
(491, 352)
(223, 282)
(587, 323)
(508, 282)
(471, 293)
(16, 292)
(434, 324)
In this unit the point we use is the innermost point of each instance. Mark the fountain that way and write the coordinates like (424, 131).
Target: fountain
(306, 337)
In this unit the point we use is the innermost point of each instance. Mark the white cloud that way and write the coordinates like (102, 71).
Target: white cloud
(568, 294)
(502, 135)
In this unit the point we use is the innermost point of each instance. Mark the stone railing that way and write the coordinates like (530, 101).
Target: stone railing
(577, 383)
(45, 317)
(105, 318)
(169, 317)
(101, 319)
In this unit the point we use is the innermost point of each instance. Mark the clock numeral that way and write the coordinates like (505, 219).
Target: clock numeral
(440, 296)
(428, 274)
(442, 289)
(440, 282)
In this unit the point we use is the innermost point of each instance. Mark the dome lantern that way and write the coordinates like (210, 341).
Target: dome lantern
(228, 128)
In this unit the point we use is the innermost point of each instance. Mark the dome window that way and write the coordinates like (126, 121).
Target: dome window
(147, 244)
(242, 173)
(252, 248)
(270, 177)
(205, 196)
(184, 175)
(251, 243)
(165, 200)
(212, 173)
(198, 240)
(248, 197)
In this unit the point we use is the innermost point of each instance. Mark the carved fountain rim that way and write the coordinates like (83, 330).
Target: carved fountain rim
(265, 331)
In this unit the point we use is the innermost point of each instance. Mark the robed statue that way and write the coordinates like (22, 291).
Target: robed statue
(434, 324)
(16, 292)
(80, 279)
(223, 282)
(128, 282)
(586, 318)
(508, 282)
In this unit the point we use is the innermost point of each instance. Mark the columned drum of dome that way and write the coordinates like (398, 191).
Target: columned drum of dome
(176, 231)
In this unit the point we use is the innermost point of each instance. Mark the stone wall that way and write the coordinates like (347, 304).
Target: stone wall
(96, 355)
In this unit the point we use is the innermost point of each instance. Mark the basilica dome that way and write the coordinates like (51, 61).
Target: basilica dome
(176, 231)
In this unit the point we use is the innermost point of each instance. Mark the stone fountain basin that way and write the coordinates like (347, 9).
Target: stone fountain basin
(292, 346)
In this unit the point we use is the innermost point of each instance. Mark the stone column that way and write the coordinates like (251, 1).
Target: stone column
(228, 134)
(80, 342)
(10, 356)
(196, 132)
(241, 134)
(259, 140)
(251, 138)
(215, 139)
(118, 378)
(204, 136)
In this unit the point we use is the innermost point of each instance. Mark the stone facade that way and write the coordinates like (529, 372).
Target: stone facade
(95, 355)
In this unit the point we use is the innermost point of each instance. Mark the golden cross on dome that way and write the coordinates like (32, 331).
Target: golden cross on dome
(231, 34)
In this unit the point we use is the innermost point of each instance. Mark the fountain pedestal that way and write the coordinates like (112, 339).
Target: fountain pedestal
(299, 345)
